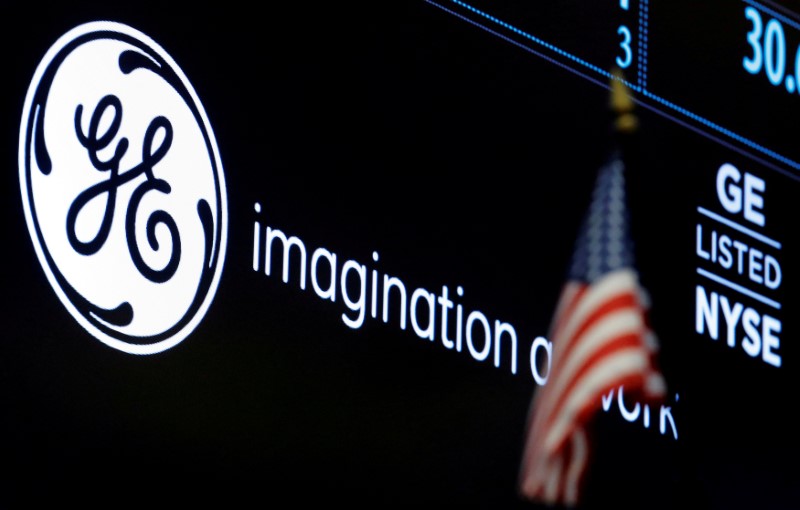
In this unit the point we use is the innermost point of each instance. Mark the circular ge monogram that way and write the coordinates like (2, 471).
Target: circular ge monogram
(123, 187)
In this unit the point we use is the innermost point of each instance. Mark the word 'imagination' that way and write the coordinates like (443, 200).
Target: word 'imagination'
(367, 293)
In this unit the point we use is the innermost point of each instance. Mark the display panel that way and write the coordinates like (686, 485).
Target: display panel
(316, 254)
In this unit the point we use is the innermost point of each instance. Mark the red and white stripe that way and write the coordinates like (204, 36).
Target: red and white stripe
(600, 341)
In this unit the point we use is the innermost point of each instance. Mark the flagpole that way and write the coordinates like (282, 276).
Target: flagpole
(622, 105)
(600, 336)
(625, 133)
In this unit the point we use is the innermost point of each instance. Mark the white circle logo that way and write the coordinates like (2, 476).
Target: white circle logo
(123, 187)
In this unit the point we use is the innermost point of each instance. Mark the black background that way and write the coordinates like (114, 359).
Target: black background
(462, 160)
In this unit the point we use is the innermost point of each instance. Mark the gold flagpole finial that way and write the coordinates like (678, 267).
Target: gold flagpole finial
(622, 104)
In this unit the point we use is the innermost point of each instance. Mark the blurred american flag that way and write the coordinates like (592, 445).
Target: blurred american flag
(601, 340)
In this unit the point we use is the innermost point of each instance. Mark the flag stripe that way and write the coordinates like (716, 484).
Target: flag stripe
(554, 479)
(605, 375)
(583, 309)
(579, 459)
(599, 378)
(601, 339)
(619, 281)
(548, 418)
(623, 322)
(571, 294)
(625, 301)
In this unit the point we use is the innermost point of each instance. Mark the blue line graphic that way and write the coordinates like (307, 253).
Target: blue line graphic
(541, 42)
(644, 14)
(725, 143)
(640, 59)
(538, 54)
(642, 85)
(774, 14)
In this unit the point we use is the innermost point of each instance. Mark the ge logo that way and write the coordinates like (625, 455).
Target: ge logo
(123, 187)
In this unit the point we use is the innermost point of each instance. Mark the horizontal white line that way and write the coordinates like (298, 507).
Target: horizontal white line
(744, 230)
(739, 288)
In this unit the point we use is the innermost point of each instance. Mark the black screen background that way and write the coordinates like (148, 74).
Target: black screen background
(462, 160)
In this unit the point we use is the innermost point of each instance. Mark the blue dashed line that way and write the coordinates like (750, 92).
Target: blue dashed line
(547, 45)
(643, 88)
(574, 70)
(643, 12)
(724, 131)
(639, 48)
(774, 14)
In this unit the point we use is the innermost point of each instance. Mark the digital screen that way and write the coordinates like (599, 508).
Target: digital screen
(356, 253)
